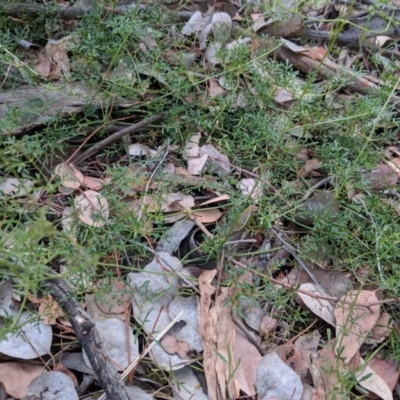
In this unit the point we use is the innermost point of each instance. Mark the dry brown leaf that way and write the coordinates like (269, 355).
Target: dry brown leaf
(386, 369)
(268, 324)
(215, 200)
(207, 216)
(353, 323)
(114, 296)
(320, 307)
(14, 187)
(247, 357)
(17, 376)
(69, 175)
(139, 149)
(214, 89)
(311, 165)
(371, 381)
(381, 330)
(176, 202)
(216, 162)
(330, 368)
(57, 52)
(309, 342)
(217, 335)
(316, 53)
(93, 183)
(295, 357)
(174, 346)
(196, 164)
(283, 97)
(93, 208)
(192, 146)
(380, 177)
(43, 66)
(49, 311)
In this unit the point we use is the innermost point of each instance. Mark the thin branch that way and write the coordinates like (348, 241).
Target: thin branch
(115, 136)
(86, 332)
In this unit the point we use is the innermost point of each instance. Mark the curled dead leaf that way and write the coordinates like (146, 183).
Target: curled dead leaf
(69, 175)
(93, 208)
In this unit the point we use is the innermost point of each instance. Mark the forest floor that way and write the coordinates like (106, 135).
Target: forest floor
(200, 200)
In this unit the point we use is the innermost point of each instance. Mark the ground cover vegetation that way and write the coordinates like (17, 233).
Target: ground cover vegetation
(199, 200)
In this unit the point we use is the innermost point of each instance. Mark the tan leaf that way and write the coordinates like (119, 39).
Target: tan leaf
(49, 311)
(69, 175)
(317, 53)
(214, 89)
(215, 200)
(283, 97)
(381, 40)
(320, 307)
(192, 146)
(43, 66)
(138, 149)
(268, 324)
(354, 322)
(386, 369)
(14, 187)
(207, 216)
(93, 208)
(57, 52)
(371, 381)
(93, 183)
(196, 164)
(247, 357)
(330, 369)
(113, 296)
(311, 165)
(17, 376)
(295, 357)
(217, 333)
(381, 330)
(174, 346)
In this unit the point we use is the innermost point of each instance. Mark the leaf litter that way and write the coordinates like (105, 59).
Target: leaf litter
(136, 307)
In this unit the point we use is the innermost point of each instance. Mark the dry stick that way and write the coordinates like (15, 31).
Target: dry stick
(18, 10)
(291, 250)
(89, 339)
(327, 70)
(115, 136)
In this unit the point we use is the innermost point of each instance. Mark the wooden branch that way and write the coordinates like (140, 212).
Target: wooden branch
(115, 136)
(19, 10)
(329, 70)
(89, 339)
(32, 10)
(36, 104)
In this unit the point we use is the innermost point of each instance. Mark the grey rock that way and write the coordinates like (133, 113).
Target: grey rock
(275, 379)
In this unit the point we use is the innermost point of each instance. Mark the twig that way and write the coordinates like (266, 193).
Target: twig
(117, 135)
(316, 186)
(69, 13)
(291, 250)
(151, 178)
(85, 330)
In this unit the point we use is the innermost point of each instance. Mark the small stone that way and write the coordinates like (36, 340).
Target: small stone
(381, 177)
(275, 379)
(322, 204)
